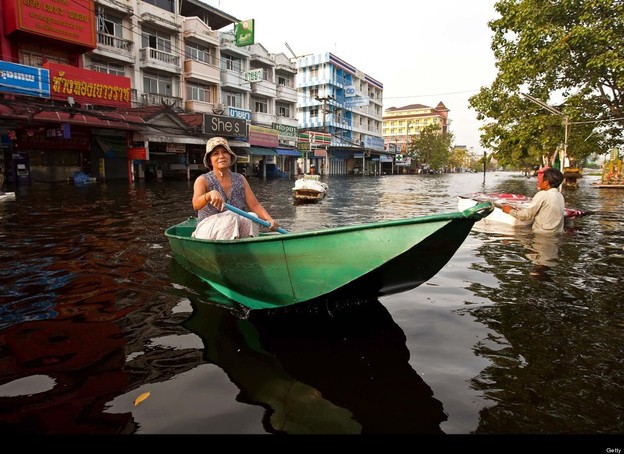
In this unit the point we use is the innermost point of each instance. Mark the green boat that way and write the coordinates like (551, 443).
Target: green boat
(276, 270)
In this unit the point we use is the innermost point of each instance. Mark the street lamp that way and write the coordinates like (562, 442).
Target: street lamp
(566, 124)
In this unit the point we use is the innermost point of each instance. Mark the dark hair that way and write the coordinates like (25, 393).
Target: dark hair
(553, 176)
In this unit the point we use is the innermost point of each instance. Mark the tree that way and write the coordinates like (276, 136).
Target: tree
(566, 53)
(430, 147)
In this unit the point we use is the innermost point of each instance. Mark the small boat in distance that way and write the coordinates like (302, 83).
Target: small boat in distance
(369, 260)
(309, 188)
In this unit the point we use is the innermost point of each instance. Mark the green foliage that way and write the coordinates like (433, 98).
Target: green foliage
(570, 55)
(430, 148)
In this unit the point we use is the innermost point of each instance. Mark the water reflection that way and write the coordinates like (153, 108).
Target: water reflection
(340, 369)
(555, 313)
(93, 311)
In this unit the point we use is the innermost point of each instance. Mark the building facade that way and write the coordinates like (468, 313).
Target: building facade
(402, 123)
(136, 88)
(340, 112)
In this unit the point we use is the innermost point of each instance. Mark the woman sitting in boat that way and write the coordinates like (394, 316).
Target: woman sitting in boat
(212, 190)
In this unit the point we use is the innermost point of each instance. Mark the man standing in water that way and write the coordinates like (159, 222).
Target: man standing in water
(547, 209)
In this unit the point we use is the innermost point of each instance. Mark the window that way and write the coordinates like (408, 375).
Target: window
(261, 106)
(108, 68)
(109, 25)
(283, 110)
(281, 80)
(156, 40)
(233, 99)
(313, 92)
(196, 92)
(314, 71)
(167, 5)
(36, 59)
(231, 63)
(198, 53)
(155, 83)
(314, 112)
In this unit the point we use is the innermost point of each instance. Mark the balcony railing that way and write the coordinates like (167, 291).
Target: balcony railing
(114, 42)
(156, 99)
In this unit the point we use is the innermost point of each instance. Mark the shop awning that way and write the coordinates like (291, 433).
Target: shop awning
(287, 152)
(13, 110)
(261, 151)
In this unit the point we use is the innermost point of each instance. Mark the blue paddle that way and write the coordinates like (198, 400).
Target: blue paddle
(253, 218)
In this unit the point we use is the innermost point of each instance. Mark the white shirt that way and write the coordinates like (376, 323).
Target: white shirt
(546, 210)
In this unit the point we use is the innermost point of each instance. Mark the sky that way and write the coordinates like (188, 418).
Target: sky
(443, 53)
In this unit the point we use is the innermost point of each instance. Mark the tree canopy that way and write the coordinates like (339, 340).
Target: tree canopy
(569, 54)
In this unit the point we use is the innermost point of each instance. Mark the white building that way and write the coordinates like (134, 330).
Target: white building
(338, 99)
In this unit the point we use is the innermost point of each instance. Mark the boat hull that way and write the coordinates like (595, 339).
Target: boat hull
(6, 196)
(308, 195)
(278, 270)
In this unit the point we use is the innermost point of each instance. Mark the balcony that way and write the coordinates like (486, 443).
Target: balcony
(157, 59)
(199, 106)
(201, 72)
(261, 118)
(112, 47)
(158, 17)
(286, 121)
(264, 88)
(287, 94)
(195, 29)
(228, 46)
(235, 80)
(156, 99)
(118, 6)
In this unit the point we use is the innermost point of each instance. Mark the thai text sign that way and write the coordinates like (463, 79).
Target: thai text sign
(24, 80)
(65, 20)
(253, 75)
(88, 87)
(263, 137)
(285, 131)
(138, 153)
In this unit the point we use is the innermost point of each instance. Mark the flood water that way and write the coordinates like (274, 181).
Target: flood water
(101, 332)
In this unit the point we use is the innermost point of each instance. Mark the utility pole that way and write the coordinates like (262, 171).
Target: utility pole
(325, 100)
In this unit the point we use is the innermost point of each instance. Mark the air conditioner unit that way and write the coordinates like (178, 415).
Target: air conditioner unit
(219, 106)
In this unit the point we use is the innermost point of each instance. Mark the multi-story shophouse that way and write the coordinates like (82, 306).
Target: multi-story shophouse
(136, 88)
(340, 117)
(258, 86)
(402, 123)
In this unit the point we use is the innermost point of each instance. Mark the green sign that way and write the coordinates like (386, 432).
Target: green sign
(245, 33)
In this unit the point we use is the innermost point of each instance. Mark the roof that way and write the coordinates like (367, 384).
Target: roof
(49, 113)
(215, 18)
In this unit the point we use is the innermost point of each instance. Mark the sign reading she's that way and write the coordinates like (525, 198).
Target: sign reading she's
(225, 126)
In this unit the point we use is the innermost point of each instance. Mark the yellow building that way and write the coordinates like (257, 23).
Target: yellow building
(399, 123)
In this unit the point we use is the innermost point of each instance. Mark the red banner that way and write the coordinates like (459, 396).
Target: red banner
(138, 153)
(88, 87)
(70, 21)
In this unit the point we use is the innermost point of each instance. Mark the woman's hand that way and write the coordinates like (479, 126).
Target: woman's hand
(214, 198)
(274, 225)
